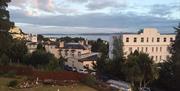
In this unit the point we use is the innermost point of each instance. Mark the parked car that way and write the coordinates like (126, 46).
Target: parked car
(84, 71)
(119, 85)
(74, 69)
(68, 68)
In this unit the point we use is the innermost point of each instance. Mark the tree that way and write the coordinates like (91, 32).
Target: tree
(5, 42)
(100, 46)
(17, 51)
(140, 70)
(5, 23)
(175, 50)
(40, 37)
(41, 47)
(4, 60)
(118, 58)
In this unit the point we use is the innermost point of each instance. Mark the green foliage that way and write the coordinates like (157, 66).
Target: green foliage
(17, 51)
(4, 59)
(100, 46)
(41, 47)
(13, 83)
(40, 37)
(140, 70)
(170, 70)
(10, 74)
(38, 58)
(5, 42)
(118, 53)
(5, 23)
(43, 60)
(53, 64)
(90, 80)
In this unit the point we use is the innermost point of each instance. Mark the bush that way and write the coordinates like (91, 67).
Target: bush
(10, 74)
(90, 80)
(13, 83)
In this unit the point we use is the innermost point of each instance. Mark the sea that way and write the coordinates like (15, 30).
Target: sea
(106, 37)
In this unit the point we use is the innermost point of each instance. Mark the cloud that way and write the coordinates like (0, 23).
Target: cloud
(130, 22)
(164, 9)
(98, 4)
(78, 1)
(91, 15)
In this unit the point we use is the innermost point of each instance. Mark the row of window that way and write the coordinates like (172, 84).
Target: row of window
(147, 49)
(148, 39)
(72, 53)
(159, 58)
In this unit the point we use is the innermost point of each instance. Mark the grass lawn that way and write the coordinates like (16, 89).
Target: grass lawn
(78, 87)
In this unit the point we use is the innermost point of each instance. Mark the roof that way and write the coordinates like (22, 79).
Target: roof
(31, 43)
(89, 58)
(74, 46)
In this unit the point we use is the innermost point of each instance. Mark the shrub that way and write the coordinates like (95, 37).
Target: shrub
(10, 74)
(90, 80)
(13, 83)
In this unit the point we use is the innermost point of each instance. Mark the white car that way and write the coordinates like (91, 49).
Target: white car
(84, 71)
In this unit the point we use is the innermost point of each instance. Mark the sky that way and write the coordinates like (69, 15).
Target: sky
(94, 16)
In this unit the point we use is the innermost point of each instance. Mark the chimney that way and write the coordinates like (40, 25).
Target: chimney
(86, 42)
(61, 44)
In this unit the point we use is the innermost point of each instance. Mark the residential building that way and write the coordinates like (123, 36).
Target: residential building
(148, 41)
(31, 37)
(85, 62)
(32, 46)
(52, 47)
(78, 55)
(16, 33)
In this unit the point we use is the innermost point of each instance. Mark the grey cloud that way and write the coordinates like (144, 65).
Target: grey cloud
(163, 10)
(130, 22)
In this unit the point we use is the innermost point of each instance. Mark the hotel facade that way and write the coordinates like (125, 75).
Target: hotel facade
(149, 41)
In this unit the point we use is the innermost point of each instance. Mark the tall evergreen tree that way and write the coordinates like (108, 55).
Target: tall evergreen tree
(5, 23)
(176, 58)
(118, 58)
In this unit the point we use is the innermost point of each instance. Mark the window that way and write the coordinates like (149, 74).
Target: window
(137, 48)
(146, 49)
(171, 39)
(147, 40)
(130, 49)
(164, 39)
(87, 65)
(160, 49)
(156, 49)
(72, 54)
(156, 58)
(167, 57)
(153, 57)
(135, 39)
(127, 39)
(158, 39)
(79, 53)
(142, 39)
(152, 39)
(152, 49)
(142, 49)
(160, 57)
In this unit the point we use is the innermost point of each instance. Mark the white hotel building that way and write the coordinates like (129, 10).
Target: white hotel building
(148, 41)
